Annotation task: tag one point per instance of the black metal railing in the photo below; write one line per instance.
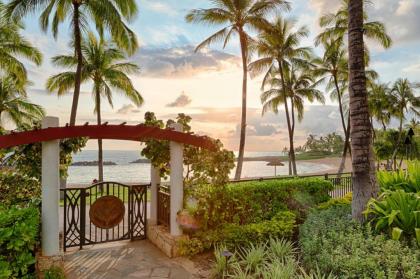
(163, 205)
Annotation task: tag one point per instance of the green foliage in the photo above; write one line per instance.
(251, 202)
(202, 166)
(332, 242)
(328, 145)
(344, 201)
(54, 273)
(16, 188)
(395, 212)
(275, 258)
(27, 158)
(18, 237)
(408, 181)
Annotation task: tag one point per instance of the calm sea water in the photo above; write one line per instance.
(131, 173)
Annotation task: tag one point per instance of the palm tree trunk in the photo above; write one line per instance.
(345, 150)
(293, 136)
(397, 146)
(100, 151)
(244, 54)
(364, 179)
(78, 52)
(289, 126)
(383, 124)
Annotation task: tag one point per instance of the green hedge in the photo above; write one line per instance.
(18, 237)
(252, 202)
(332, 242)
(16, 188)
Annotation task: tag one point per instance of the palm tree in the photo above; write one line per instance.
(381, 103)
(103, 66)
(300, 85)
(240, 16)
(404, 100)
(278, 50)
(14, 104)
(336, 26)
(364, 178)
(13, 46)
(104, 14)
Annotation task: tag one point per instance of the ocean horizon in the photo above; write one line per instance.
(126, 172)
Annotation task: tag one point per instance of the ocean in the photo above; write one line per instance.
(126, 172)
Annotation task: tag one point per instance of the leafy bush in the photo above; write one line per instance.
(16, 188)
(332, 242)
(54, 273)
(272, 259)
(18, 236)
(344, 201)
(408, 181)
(256, 201)
(396, 212)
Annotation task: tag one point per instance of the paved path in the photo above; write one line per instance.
(125, 259)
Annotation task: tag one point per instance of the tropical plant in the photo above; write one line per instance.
(240, 17)
(408, 181)
(13, 46)
(404, 100)
(381, 103)
(279, 53)
(397, 213)
(105, 68)
(105, 15)
(14, 103)
(364, 179)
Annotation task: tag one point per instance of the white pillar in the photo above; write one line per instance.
(50, 180)
(154, 184)
(177, 183)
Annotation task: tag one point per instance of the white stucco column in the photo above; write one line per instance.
(50, 181)
(154, 184)
(177, 184)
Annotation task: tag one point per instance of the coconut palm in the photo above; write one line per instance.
(239, 16)
(300, 85)
(381, 103)
(278, 48)
(14, 104)
(336, 26)
(106, 15)
(364, 178)
(13, 46)
(404, 100)
(105, 68)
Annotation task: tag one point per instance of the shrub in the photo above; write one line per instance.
(397, 213)
(252, 202)
(408, 181)
(54, 272)
(344, 201)
(330, 240)
(16, 188)
(18, 236)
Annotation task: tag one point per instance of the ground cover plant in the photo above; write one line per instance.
(332, 242)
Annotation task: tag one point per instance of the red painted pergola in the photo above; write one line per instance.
(139, 132)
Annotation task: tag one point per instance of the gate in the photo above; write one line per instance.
(104, 212)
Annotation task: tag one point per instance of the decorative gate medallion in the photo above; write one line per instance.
(104, 212)
(107, 212)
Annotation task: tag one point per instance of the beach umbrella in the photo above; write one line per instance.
(275, 163)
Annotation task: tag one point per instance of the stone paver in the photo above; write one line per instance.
(137, 259)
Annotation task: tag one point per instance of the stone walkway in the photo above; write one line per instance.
(138, 259)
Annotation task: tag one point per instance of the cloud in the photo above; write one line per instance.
(128, 108)
(181, 101)
(182, 62)
(159, 7)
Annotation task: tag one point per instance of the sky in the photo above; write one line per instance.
(207, 85)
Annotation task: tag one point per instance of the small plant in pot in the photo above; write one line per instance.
(188, 220)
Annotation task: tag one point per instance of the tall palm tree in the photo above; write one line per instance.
(336, 26)
(239, 16)
(14, 104)
(364, 178)
(13, 46)
(105, 68)
(300, 85)
(381, 103)
(404, 100)
(278, 48)
(105, 15)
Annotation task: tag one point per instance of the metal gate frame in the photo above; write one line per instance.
(79, 231)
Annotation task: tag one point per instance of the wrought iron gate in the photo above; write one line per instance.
(104, 212)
